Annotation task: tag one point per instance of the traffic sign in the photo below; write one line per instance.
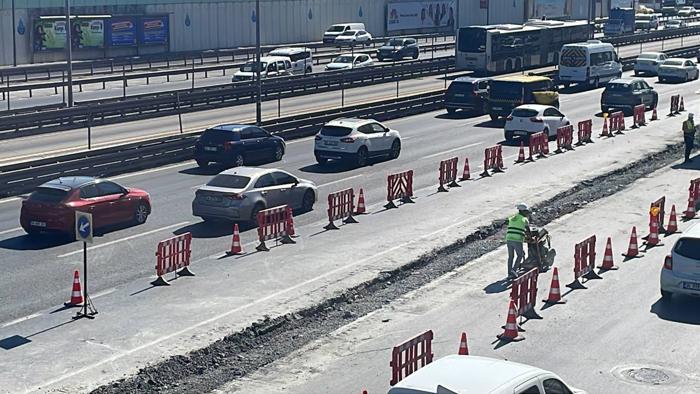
(83, 226)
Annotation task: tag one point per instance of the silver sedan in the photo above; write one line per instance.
(240, 193)
(678, 69)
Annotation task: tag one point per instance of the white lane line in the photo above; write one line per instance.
(10, 200)
(116, 241)
(340, 180)
(451, 150)
(12, 230)
(187, 163)
(198, 186)
(103, 293)
(20, 320)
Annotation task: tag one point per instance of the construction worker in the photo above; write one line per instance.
(689, 129)
(518, 226)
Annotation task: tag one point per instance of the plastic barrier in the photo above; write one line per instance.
(639, 117)
(173, 254)
(341, 205)
(565, 138)
(448, 174)
(693, 194)
(585, 132)
(584, 263)
(399, 186)
(539, 145)
(275, 223)
(658, 208)
(675, 105)
(405, 357)
(493, 160)
(617, 123)
(524, 293)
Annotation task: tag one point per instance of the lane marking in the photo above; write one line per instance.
(20, 320)
(340, 180)
(116, 241)
(198, 186)
(451, 150)
(10, 200)
(12, 230)
(144, 172)
(103, 293)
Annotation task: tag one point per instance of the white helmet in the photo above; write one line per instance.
(522, 207)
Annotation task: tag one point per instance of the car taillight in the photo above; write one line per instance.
(236, 196)
(655, 63)
(348, 140)
(318, 137)
(509, 118)
(536, 119)
(668, 262)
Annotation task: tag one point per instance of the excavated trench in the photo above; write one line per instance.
(265, 341)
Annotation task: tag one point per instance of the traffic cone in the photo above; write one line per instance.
(511, 334)
(361, 209)
(681, 107)
(554, 290)
(633, 248)
(654, 115)
(76, 296)
(621, 126)
(690, 212)
(290, 222)
(653, 238)
(466, 175)
(672, 226)
(463, 349)
(608, 263)
(521, 155)
(605, 132)
(236, 241)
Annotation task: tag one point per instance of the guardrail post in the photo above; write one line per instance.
(179, 112)
(193, 73)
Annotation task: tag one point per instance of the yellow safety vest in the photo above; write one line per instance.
(517, 224)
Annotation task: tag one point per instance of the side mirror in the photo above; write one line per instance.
(295, 183)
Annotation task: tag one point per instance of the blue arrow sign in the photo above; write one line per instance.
(83, 227)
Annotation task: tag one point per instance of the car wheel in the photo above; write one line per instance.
(321, 160)
(141, 214)
(395, 149)
(416, 55)
(279, 152)
(636, 73)
(361, 157)
(381, 59)
(308, 201)
(654, 103)
(202, 163)
(546, 132)
(451, 111)
(254, 214)
(510, 138)
(666, 295)
(238, 160)
(494, 117)
(309, 70)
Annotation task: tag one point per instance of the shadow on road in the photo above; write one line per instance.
(680, 309)
(36, 242)
(492, 124)
(693, 165)
(214, 229)
(499, 286)
(459, 115)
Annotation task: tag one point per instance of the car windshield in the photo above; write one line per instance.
(250, 67)
(336, 29)
(343, 59)
(618, 87)
(460, 86)
(688, 247)
(673, 63)
(217, 136)
(525, 112)
(335, 131)
(349, 33)
(229, 181)
(673, 23)
(647, 56)
(643, 17)
(395, 42)
(48, 195)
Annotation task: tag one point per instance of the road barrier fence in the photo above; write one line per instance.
(565, 138)
(585, 132)
(493, 160)
(275, 223)
(341, 205)
(448, 174)
(399, 187)
(639, 116)
(584, 263)
(410, 356)
(173, 255)
(524, 293)
(538, 145)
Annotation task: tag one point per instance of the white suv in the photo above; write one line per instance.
(681, 271)
(357, 140)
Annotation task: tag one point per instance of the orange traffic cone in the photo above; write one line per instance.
(672, 226)
(654, 115)
(236, 241)
(554, 290)
(466, 175)
(361, 204)
(521, 154)
(681, 107)
(76, 296)
(463, 349)
(633, 248)
(653, 237)
(608, 263)
(511, 333)
(690, 212)
(290, 222)
(605, 132)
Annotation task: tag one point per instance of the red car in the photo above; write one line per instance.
(51, 207)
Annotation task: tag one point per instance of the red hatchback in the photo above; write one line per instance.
(51, 207)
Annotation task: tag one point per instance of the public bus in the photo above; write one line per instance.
(508, 48)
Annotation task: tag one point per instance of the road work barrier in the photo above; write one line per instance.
(617, 123)
(410, 356)
(693, 194)
(539, 145)
(584, 263)
(639, 116)
(448, 174)
(173, 254)
(524, 293)
(675, 105)
(275, 223)
(493, 160)
(399, 187)
(341, 205)
(565, 138)
(585, 132)
(658, 208)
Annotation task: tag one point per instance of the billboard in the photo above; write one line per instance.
(49, 34)
(88, 33)
(413, 15)
(550, 8)
(122, 31)
(621, 4)
(154, 30)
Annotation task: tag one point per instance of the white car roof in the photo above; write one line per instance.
(251, 172)
(466, 374)
(349, 122)
(289, 51)
(270, 59)
(536, 107)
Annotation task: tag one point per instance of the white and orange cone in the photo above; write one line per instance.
(633, 248)
(690, 212)
(511, 334)
(290, 222)
(672, 226)
(654, 115)
(554, 290)
(76, 296)
(608, 262)
(236, 247)
(605, 132)
(521, 154)
(681, 107)
(466, 174)
(653, 238)
(463, 349)
(361, 208)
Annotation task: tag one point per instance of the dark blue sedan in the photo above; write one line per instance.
(235, 145)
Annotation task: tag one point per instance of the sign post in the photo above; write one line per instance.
(83, 232)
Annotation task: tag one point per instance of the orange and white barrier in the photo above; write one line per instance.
(275, 223)
(565, 138)
(173, 255)
(411, 355)
(341, 206)
(539, 145)
(584, 263)
(399, 186)
(493, 160)
(448, 174)
(585, 132)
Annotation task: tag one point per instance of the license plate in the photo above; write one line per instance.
(210, 148)
(523, 133)
(459, 95)
(37, 224)
(691, 286)
(331, 143)
(213, 198)
(498, 108)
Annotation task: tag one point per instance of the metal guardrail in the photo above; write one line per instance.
(22, 177)
(189, 100)
(659, 35)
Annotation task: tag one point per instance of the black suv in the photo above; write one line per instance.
(399, 48)
(236, 145)
(626, 93)
(468, 94)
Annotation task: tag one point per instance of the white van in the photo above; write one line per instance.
(338, 29)
(272, 66)
(473, 374)
(592, 63)
(301, 58)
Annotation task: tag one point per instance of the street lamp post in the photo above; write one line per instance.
(69, 54)
(258, 81)
(14, 37)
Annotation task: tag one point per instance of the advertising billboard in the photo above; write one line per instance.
(88, 33)
(413, 15)
(122, 31)
(550, 8)
(154, 30)
(48, 35)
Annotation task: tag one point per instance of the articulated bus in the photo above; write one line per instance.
(508, 48)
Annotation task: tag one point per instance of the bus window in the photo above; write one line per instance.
(472, 40)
